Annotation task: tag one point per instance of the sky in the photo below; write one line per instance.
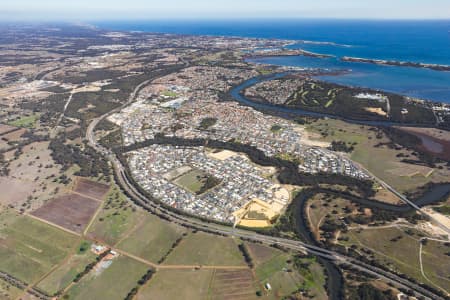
(81, 10)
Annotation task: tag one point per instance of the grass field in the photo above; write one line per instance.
(402, 254)
(113, 222)
(151, 239)
(8, 291)
(61, 277)
(284, 283)
(194, 181)
(113, 283)
(260, 253)
(177, 284)
(29, 248)
(381, 161)
(205, 249)
(26, 121)
(436, 263)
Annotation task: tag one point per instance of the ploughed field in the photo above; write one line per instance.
(70, 211)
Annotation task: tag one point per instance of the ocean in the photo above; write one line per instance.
(415, 41)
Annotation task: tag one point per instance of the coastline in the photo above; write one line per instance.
(435, 67)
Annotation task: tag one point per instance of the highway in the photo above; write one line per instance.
(124, 182)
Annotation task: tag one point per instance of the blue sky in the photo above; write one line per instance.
(213, 9)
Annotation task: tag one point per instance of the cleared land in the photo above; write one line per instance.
(91, 188)
(207, 250)
(29, 248)
(70, 211)
(190, 285)
(151, 239)
(32, 178)
(112, 283)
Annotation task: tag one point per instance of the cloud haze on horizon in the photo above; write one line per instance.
(210, 9)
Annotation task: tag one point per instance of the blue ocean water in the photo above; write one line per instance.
(416, 41)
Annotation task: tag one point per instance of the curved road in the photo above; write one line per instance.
(156, 208)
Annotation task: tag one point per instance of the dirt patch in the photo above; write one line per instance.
(70, 211)
(233, 284)
(91, 188)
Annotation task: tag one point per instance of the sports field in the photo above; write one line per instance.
(196, 181)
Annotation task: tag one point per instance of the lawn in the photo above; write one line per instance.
(26, 121)
(30, 248)
(113, 283)
(151, 239)
(177, 284)
(208, 250)
(61, 277)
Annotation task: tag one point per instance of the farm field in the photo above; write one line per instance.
(71, 211)
(191, 285)
(124, 271)
(62, 276)
(207, 250)
(29, 248)
(233, 284)
(91, 188)
(151, 238)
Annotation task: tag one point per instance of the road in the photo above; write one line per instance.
(140, 199)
